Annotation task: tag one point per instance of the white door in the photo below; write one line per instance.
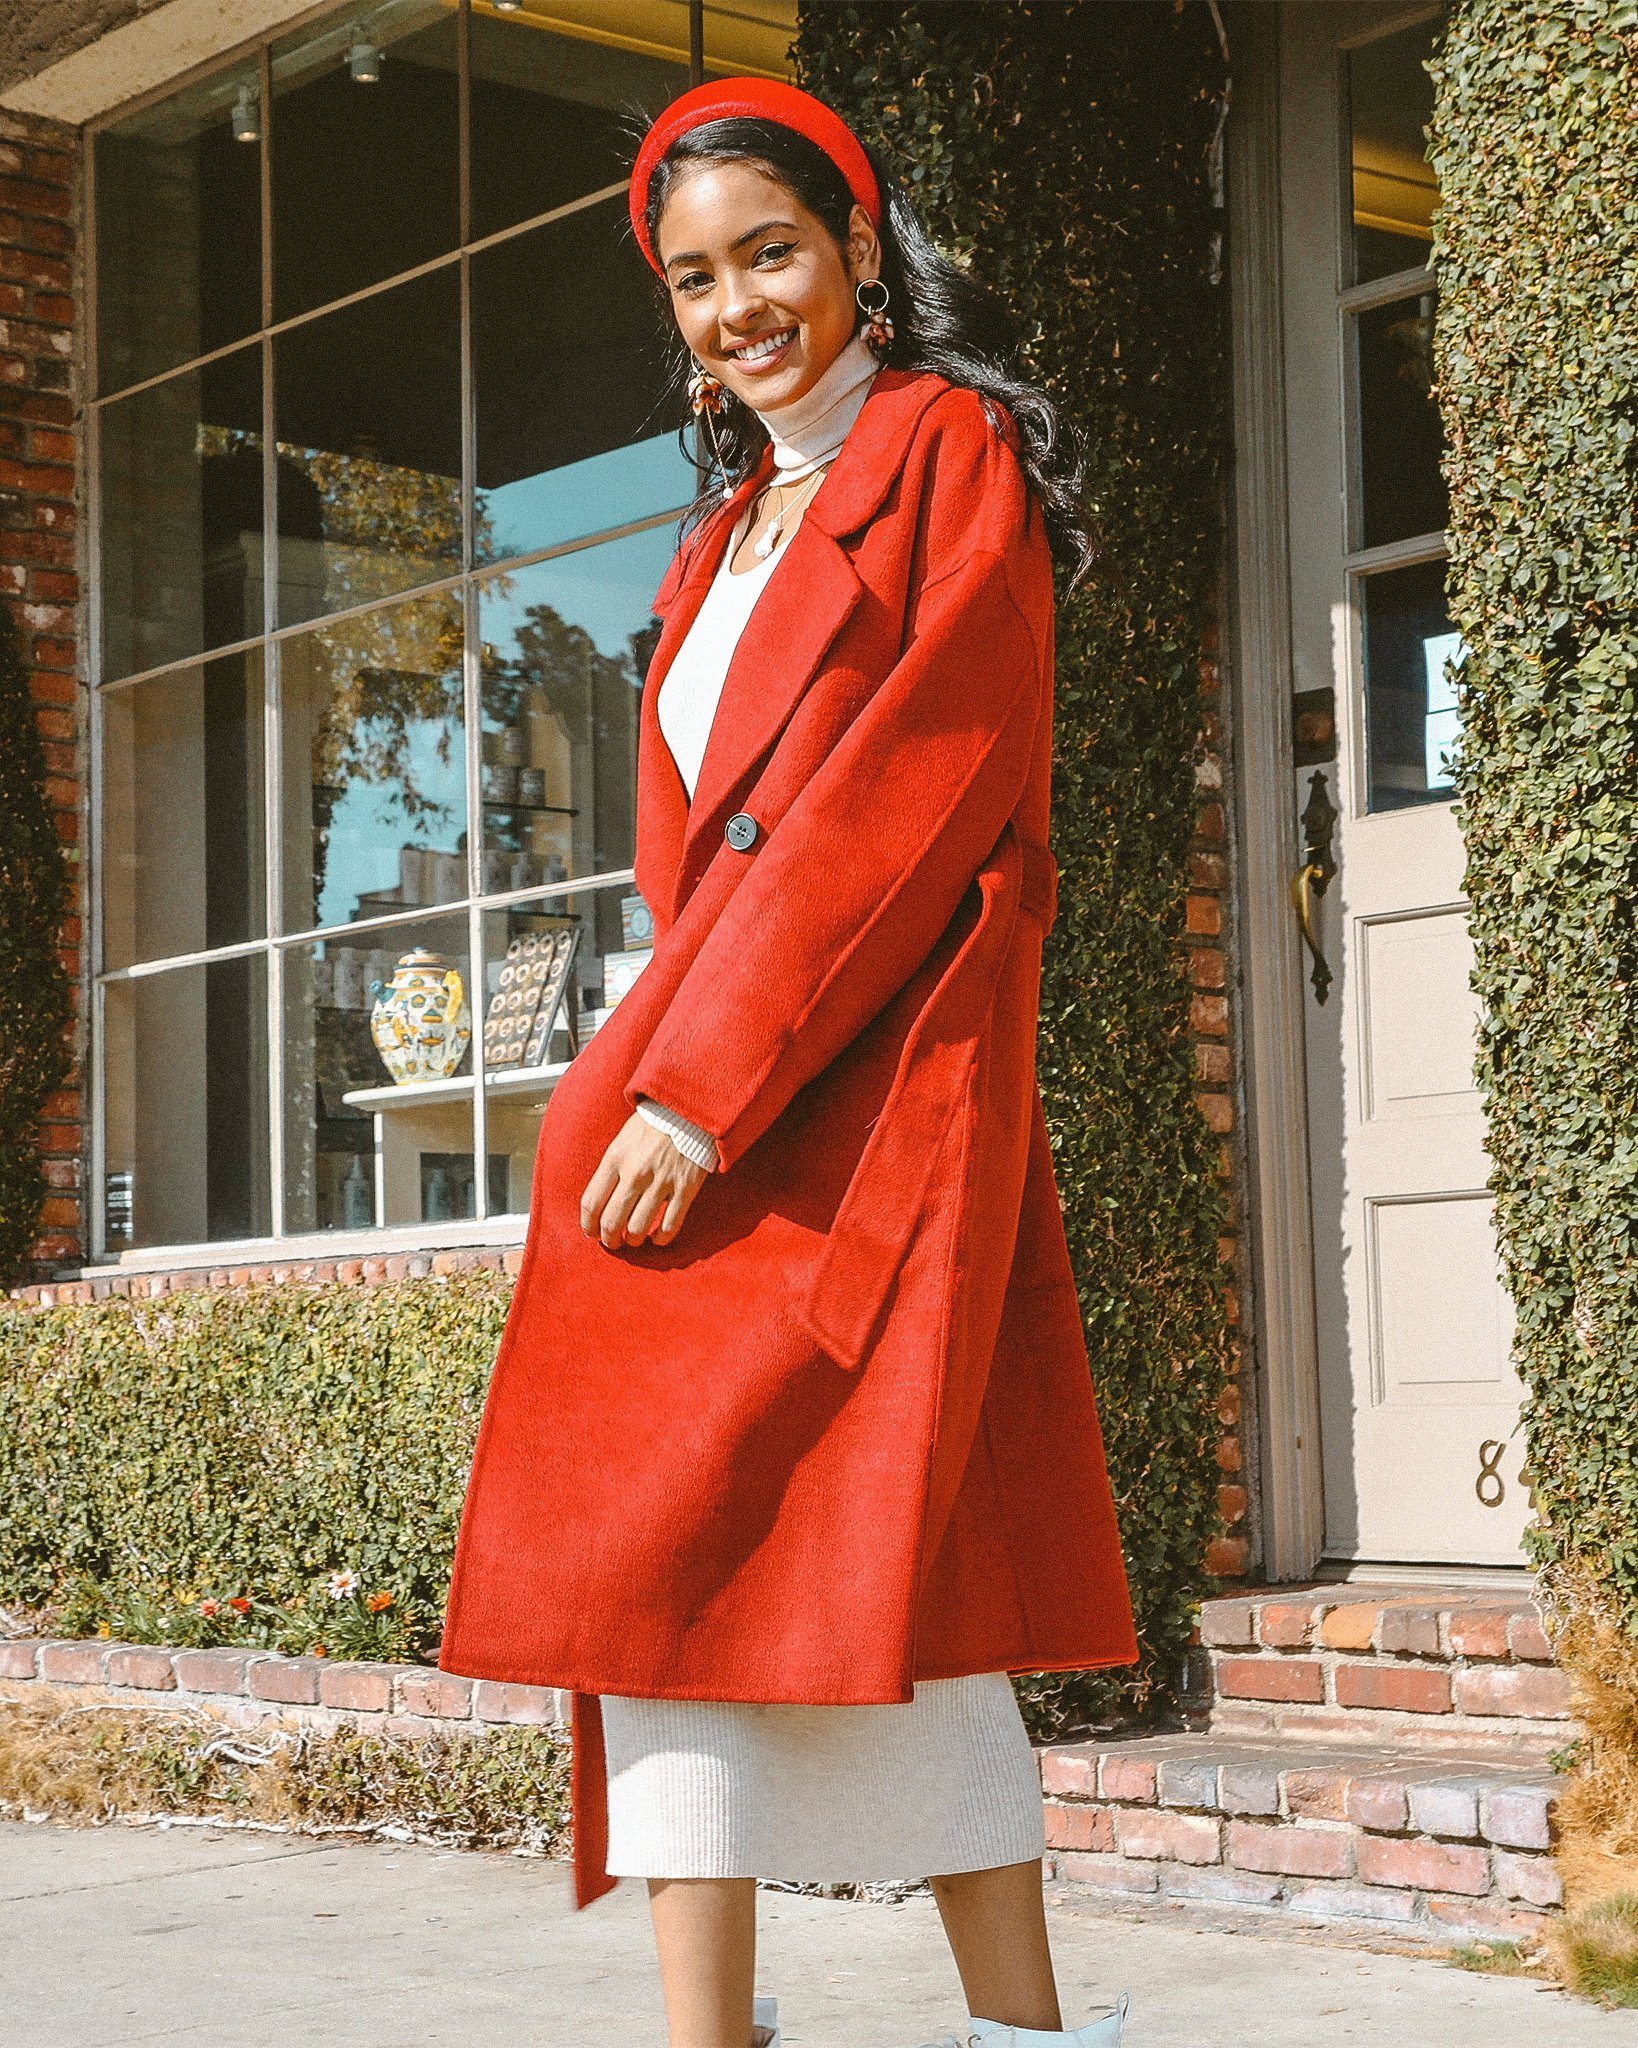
(1419, 1404)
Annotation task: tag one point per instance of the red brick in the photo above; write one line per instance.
(1108, 1873)
(1534, 1691)
(1232, 1501)
(293, 1681)
(360, 1688)
(73, 1663)
(1520, 1816)
(1228, 1623)
(1318, 1794)
(1411, 1865)
(1173, 1837)
(1296, 1679)
(1399, 1688)
(529, 1704)
(1207, 968)
(1479, 1631)
(19, 1657)
(1127, 1777)
(1351, 1625)
(1208, 1016)
(1203, 916)
(150, 1669)
(1410, 1632)
(1292, 1852)
(34, 199)
(1381, 1804)
(1228, 1557)
(1486, 1917)
(1534, 1880)
(1079, 1827)
(1527, 1639)
(1070, 1770)
(218, 1671)
(1286, 1624)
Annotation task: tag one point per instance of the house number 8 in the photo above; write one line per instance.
(1490, 1486)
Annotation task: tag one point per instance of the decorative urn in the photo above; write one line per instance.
(420, 1023)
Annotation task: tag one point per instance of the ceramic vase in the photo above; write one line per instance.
(420, 1023)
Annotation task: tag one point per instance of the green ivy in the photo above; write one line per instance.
(36, 1001)
(246, 1444)
(1063, 152)
(1535, 142)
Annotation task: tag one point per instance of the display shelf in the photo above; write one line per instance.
(420, 1094)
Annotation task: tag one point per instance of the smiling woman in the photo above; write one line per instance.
(796, 1334)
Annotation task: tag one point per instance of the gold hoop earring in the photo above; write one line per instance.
(878, 328)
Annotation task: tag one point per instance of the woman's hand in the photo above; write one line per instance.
(642, 1190)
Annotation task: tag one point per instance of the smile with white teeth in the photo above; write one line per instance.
(766, 347)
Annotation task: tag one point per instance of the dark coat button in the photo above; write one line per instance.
(741, 831)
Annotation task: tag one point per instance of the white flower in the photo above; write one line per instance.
(343, 1585)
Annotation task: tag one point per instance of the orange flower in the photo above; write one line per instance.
(208, 1607)
(378, 1603)
(318, 1650)
(241, 1605)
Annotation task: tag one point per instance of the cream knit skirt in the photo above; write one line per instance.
(823, 1795)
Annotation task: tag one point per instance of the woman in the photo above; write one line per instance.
(790, 1454)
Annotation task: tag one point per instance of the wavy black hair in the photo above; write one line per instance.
(944, 319)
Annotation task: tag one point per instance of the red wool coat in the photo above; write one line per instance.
(839, 1435)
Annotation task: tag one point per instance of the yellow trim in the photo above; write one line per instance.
(669, 52)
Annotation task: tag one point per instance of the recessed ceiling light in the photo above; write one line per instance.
(246, 119)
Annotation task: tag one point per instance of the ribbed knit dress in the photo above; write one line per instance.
(822, 1794)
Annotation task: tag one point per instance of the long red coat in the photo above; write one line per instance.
(840, 1434)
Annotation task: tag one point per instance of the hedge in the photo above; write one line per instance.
(1065, 153)
(1535, 141)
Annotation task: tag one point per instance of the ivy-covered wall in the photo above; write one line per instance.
(1065, 153)
(1536, 146)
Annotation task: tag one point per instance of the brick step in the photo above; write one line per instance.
(1443, 1847)
(1426, 1666)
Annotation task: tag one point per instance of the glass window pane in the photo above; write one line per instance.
(547, 964)
(564, 647)
(185, 1121)
(1390, 97)
(571, 440)
(182, 515)
(378, 1078)
(374, 765)
(183, 858)
(369, 403)
(1410, 703)
(1402, 492)
(179, 228)
(365, 134)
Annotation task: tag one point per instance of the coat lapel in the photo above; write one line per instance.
(811, 595)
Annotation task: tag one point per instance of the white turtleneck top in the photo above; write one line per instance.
(805, 434)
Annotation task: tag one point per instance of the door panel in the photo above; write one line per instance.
(1418, 1399)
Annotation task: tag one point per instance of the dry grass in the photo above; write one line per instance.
(72, 1759)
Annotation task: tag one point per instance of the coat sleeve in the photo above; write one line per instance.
(855, 884)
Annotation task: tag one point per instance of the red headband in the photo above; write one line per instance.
(756, 99)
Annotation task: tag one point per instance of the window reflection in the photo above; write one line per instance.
(181, 477)
(179, 228)
(1401, 437)
(564, 645)
(553, 973)
(182, 853)
(185, 1112)
(374, 764)
(366, 177)
(378, 1078)
(370, 471)
(1410, 699)
(571, 439)
(1390, 97)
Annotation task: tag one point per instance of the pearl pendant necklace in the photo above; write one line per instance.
(765, 543)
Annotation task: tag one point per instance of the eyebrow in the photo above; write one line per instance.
(739, 241)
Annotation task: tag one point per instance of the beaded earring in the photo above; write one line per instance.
(878, 328)
(706, 397)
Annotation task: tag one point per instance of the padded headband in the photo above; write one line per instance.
(756, 99)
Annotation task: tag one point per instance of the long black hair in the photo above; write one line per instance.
(944, 319)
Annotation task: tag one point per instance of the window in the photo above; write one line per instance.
(383, 485)
(1398, 512)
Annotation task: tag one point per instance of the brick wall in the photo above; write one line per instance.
(1211, 974)
(39, 575)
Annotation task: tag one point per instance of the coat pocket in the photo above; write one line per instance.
(883, 1203)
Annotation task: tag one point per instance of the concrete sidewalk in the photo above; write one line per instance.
(227, 1939)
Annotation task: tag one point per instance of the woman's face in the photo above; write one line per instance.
(760, 291)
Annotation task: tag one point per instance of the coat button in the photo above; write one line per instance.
(741, 831)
